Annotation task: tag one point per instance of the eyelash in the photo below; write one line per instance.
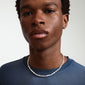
(47, 11)
(27, 13)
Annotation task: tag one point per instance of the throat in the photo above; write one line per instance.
(48, 59)
(46, 63)
(44, 75)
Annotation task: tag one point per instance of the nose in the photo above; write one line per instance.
(38, 18)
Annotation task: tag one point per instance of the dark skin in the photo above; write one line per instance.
(42, 24)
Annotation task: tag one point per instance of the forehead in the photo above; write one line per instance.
(39, 2)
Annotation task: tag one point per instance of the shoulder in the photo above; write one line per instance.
(12, 70)
(77, 65)
(12, 66)
(76, 68)
(72, 64)
(75, 71)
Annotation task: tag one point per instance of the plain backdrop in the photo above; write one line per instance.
(13, 45)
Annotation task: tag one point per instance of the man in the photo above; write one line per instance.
(42, 23)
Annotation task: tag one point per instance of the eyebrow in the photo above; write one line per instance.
(25, 7)
(45, 4)
(51, 3)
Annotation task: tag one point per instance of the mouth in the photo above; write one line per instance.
(38, 34)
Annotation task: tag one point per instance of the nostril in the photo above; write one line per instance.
(41, 22)
(33, 24)
(38, 23)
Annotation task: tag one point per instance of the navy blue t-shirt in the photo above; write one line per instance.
(17, 73)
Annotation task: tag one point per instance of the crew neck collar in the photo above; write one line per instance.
(47, 71)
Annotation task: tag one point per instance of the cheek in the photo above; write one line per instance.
(55, 21)
(55, 33)
(55, 28)
(25, 24)
(25, 29)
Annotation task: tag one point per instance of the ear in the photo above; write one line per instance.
(65, 20)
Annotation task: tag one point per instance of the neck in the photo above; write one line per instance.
(47, 59)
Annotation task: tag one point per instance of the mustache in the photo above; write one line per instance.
(38, 31)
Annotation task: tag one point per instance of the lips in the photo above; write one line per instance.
(38, 34)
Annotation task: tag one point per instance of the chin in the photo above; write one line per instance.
(38, 47)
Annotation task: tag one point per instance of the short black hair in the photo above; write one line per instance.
(65, 6)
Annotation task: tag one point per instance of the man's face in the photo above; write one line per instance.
(42, 22)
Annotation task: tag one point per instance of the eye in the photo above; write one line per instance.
(49, 11)
(27, 13)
